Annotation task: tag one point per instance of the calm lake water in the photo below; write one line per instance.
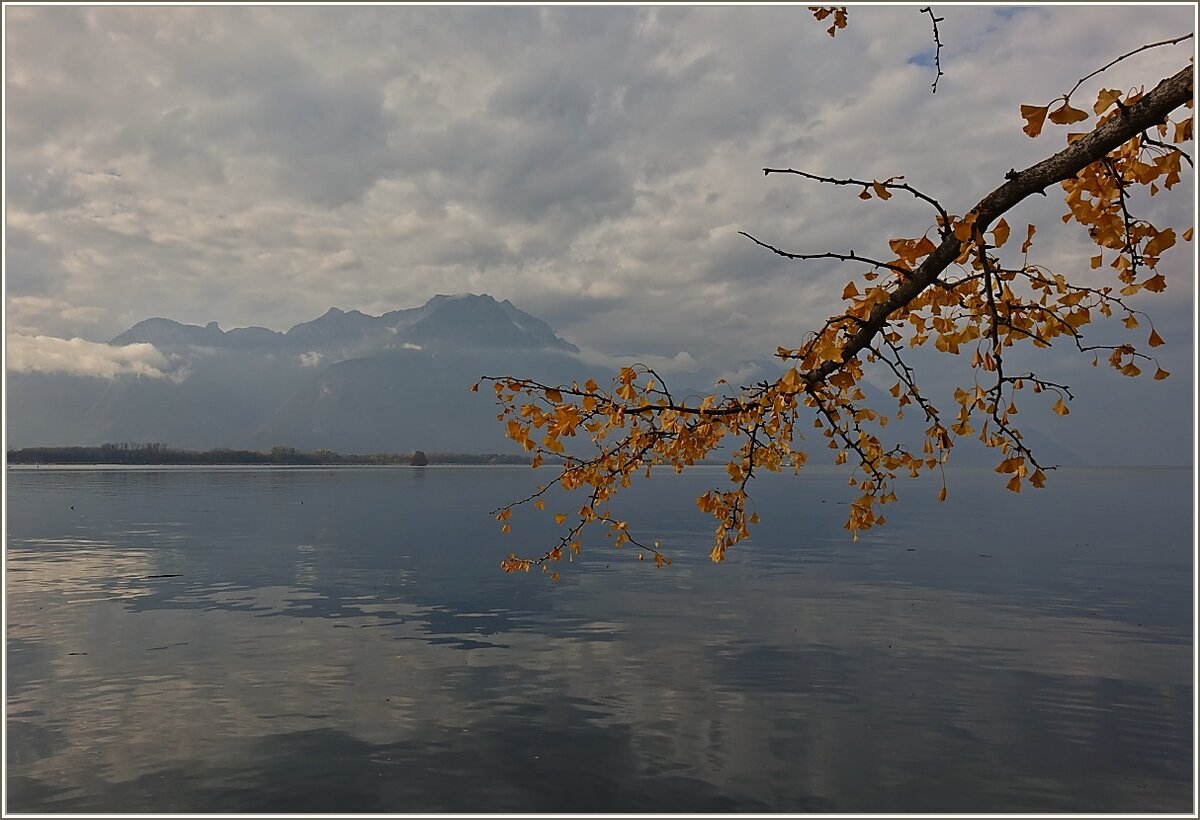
(310, 640)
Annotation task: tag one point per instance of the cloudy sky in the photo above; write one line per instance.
(593, 165)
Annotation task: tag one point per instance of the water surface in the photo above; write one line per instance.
(307, 640)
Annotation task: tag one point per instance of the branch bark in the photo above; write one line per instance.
(1146, 113)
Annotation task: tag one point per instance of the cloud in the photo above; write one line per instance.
(256, 165)
(681, 362)
(79, 357)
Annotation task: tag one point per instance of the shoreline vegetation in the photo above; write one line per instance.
(125, 453)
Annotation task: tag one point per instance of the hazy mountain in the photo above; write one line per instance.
(345, 380)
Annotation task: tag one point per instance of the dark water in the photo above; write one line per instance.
(342, 640)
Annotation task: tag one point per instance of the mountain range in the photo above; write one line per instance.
(347, 381)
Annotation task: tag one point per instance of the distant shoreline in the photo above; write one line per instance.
(150, 455)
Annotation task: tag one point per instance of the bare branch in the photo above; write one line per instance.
(937, 54)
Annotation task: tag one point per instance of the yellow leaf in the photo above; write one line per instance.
(1065, 115)
(1000, 233)
(1035, 118)
(942, 494)
(1029, 232)
(1155, 284)
(850, 291)
(1097, 260)
(475, 387)
(963, 230)
(539, 504)
(1155, 339)
(1014, 484)
(1061, 408)
(1104, 99)
(1038, 479)
(1010, 465)
(1131, 322)
(1165, 239)
(559, 518)
(1160, 374)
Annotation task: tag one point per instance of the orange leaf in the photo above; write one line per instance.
(1065, 115)
(1014, 484)
(1035, 118)
(1104, 99)
(1160, 374)
(1029, 232)
(1038, 479)
(1060, 407)
(1155, 339)
(1000, 233)
(1155, 284)
(880, 191)
(850, 291)
(1163, 240)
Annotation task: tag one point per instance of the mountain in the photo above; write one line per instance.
(346, 380)
(462, 321)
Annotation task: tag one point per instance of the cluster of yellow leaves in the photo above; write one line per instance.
(838, 13)
(984, 307)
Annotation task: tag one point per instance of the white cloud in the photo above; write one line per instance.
(681, 362)
(79, 357)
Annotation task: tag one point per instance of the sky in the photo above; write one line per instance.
(258, 165)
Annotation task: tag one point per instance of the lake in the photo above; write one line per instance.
(312, 640)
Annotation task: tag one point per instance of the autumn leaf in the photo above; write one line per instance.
(1160, 374)
(1155, 339)
(1000, 233)
(1061, 408)
(1164, 240)
(1104, 99)
(1065, 115)
(1028, 243)
(1155, 284)
(1035, 118)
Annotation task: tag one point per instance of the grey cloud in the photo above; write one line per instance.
(31, 267)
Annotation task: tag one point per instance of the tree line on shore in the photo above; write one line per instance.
(159, 453)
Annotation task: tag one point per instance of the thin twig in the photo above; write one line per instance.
(1126, 56)
(937, 54)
